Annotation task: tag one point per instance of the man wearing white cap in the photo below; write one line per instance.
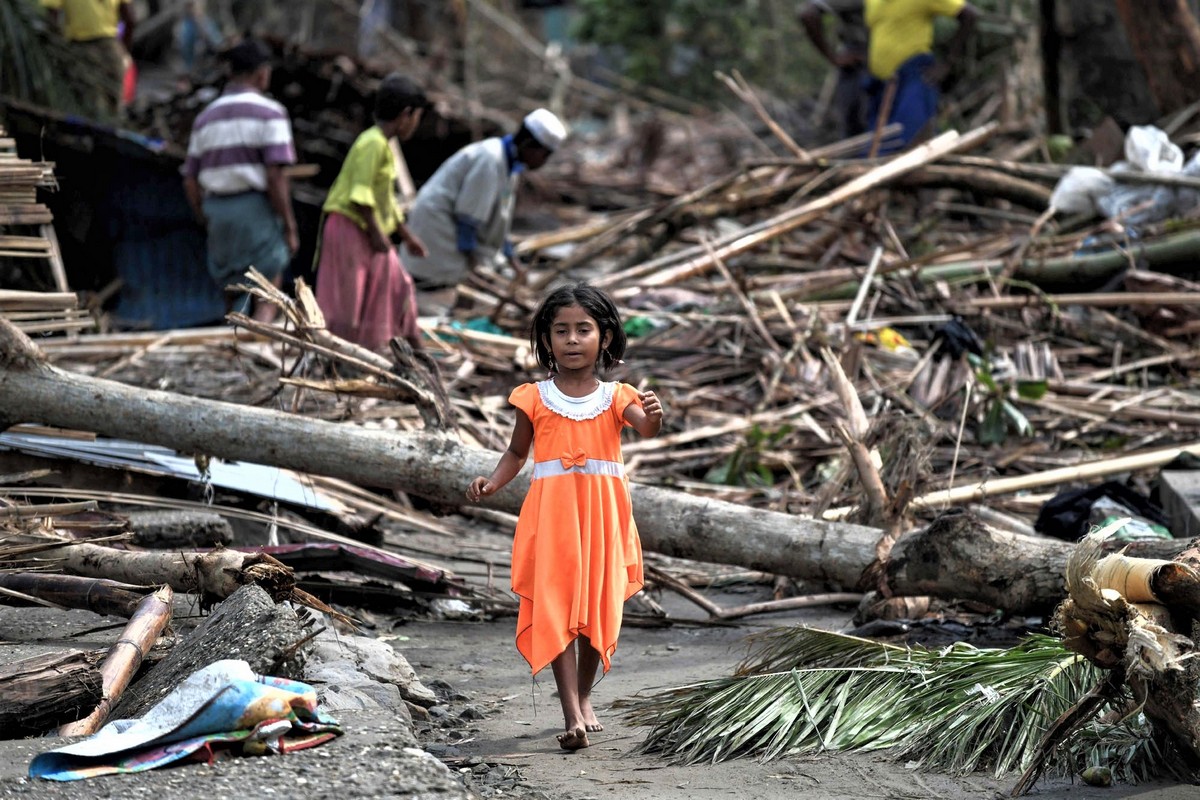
(464, 211)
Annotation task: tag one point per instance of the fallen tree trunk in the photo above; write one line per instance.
(957, 561)
(435, 467)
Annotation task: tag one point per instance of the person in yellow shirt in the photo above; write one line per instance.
(905, 76)
(364, 292)
(92, 27)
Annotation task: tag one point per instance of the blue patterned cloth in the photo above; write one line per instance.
(222, 707)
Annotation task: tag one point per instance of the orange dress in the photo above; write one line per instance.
(576, 553)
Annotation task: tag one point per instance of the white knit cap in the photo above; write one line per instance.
(546, 128)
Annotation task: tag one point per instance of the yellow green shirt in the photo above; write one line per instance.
(901, 29)
(84, 20)
(367, 178)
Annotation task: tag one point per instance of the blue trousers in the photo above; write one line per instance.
(914, 106)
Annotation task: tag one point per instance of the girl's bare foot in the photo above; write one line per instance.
(590, 723)
(573, 739)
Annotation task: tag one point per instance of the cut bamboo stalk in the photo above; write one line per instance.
(125, 657)
(48, 510)
(864, 287)
(1133, 366)
(105, 597)
(57, 268)
(1132, 578)
(751, 310)
(1110, 410)
(738, 85)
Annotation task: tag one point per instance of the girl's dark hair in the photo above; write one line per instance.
(396, 93)
(598, 305)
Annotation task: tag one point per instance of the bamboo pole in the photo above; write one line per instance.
(109, 598)
(738, 85)
(697, 260)
(1097, 300)
(974, 492)
(1166, 251)
(125, 657)
(48, 510)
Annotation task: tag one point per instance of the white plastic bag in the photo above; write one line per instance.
(1079, 189)
(1150, 149)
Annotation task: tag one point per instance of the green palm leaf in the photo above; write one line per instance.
(959, 709)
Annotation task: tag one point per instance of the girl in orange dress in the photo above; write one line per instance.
(576, 553)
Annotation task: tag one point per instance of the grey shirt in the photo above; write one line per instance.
(474, 183)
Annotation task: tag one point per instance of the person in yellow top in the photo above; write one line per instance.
(905, 76)
(364, 292)
(92, 27)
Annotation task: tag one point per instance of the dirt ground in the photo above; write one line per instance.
(494, 726)
(516, 735)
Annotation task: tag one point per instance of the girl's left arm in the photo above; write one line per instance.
(646, 418)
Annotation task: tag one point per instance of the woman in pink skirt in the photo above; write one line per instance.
(364, 292)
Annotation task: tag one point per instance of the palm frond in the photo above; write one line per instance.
(959, 709)
(37, 65)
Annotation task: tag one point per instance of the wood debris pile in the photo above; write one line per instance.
(834, 337)
(734, 289)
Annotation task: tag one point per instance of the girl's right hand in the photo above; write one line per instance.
(479, 488)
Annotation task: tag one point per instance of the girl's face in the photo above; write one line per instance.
(575, 340)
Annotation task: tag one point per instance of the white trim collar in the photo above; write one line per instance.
(579, 409)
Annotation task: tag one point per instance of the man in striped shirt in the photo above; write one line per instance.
(235, 180)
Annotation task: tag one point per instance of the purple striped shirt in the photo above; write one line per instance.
(235, 139)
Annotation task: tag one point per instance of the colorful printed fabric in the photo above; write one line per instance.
(222, 707)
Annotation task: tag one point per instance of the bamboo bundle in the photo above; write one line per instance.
(19, 181)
